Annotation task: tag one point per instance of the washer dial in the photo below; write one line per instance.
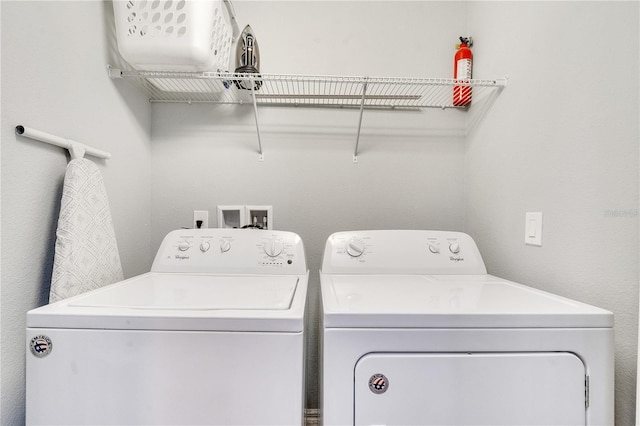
(273, 248)
(225, 246)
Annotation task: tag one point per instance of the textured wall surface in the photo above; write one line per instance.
(562, 139)
(54, 79)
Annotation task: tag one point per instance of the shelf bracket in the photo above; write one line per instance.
(364, 94)
(255, 113)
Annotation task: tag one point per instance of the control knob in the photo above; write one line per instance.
(225, 246)
(205, 246)
(273, 248)
(454, 248)
(354, 247)
(183, 245)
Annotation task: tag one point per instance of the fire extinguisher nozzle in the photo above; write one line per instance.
(466, 40)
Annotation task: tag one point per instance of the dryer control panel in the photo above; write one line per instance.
(402, 252)
(232, 251)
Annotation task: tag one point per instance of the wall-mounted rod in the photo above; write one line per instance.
(341, 97)
(77, 149)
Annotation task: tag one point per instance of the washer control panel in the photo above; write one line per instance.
(236, 251)
(402, 251)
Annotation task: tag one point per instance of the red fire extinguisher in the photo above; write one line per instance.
(462, 66)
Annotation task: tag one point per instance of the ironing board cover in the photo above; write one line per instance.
(86, 253)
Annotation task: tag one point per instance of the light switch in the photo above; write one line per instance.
(533, 228)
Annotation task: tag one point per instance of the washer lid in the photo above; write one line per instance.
(460, 301)
(166, 301)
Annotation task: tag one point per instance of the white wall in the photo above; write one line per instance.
(410, 169)
(54, 57)
(562, 139)
(571, 153)
(0, 222)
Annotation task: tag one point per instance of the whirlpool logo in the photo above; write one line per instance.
(378, 384)
(41, 346)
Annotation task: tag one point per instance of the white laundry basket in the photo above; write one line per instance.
(173, 35)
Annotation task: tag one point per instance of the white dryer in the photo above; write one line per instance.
(415, 332)
(212, 335)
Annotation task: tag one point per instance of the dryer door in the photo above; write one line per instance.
(470, 389)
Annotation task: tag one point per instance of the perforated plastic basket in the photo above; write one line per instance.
(167, 35)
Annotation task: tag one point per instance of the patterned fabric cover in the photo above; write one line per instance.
(86, 253)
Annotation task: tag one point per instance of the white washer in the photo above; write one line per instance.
(415, 332)
(212, 335)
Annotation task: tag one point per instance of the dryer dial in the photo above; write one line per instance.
(354, 247)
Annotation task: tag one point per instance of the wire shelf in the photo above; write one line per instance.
(303, 90)
(307, 90)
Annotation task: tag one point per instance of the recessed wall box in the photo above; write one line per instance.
(231, 216)
(259, 216)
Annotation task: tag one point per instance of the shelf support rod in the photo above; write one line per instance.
(255, 113)
(364, 94)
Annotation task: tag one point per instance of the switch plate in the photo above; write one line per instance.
(533, 228)
(202, 215)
